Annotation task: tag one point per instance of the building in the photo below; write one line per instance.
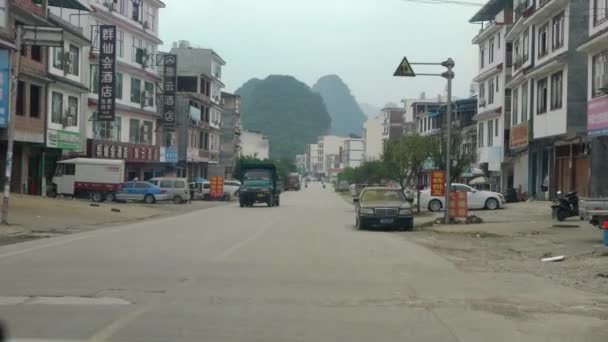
(353, 152)
(254, 144)
(494, 100)
(394, 120)
(231, 132)
(595, 48)
(330, 149)
(426, 117)
(199, 72)
(373, 134)
(313, 161)
(301, 163)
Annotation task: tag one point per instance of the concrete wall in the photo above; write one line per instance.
(520, 172)
(372, 136)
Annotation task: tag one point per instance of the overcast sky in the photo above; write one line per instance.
(360, 40)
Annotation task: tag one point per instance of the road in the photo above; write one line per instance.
(299, 272)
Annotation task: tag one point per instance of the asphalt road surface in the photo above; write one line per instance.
(299, 272)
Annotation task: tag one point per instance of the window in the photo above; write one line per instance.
(134, 133)
(482, 90)
(142, 185)
(150, 14)
(20, 98)
(526, 45)
(516, 55)
(166, 184)
(23, 51)
(514, 114)
(558, 31)
(146, 132)
(107, 130)
(58, 57)
(557, 90)
(56, 107)
(94, 86)
(541, 99)
(482, 54)
(136, 51)
(73, 63)
(136, 7)
(3, 15)
(35, 99)
(135, 90)
(491, 133)
(498, 40)
(187, 83)
(206, 142)
(599, 72)
(72, 118)
(480, 134)
(496, 127)
(497, 82)
(118, 85)
(149, 88)
(600, 11)
(36, 53)
(491, 51)
(491, 91)
(69, 169)
(543, 47)
(524, 102)
(120, 43)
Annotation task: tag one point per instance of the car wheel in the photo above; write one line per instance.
(435, 205)
(491, 204)
(278, 202)
(97, 197)
(112, 197)
(359, 224)
(149, 199)
(177, 200)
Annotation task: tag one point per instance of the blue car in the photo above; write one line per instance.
(141, 191)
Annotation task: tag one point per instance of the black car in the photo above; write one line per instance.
(383, 207)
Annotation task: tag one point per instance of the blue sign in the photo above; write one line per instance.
(168, 154)
(5, 70)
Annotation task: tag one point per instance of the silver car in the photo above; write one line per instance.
(178, 189)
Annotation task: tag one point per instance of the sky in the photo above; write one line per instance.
(362, 41)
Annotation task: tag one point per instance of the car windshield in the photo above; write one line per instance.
(382, 196)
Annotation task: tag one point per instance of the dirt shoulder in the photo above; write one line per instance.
(517, 238)
(32, 217)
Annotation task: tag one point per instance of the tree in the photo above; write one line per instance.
(461, 157)
(404, 158)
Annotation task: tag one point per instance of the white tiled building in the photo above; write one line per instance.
(373, 130)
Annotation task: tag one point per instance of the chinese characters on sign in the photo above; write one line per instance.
(169, 82)
(438, 183)
(217, 186)
(458, 204)
(127, 152)
(107, 67)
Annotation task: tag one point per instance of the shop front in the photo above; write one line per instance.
(59, 143)
(141, 161)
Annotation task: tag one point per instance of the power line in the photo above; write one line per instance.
(447, 2)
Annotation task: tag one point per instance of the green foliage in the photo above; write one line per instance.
(461, 160)
(404, 158)
(286, 110)
(369, 172)
(346, 115)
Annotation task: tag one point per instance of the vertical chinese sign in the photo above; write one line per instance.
(106, 104)
(4, 87)
(458, 204)
(169, 81)
(438, 183)
(217, 186)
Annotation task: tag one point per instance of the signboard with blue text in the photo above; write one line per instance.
(5, 70)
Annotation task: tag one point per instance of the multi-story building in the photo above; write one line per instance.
(353, 152)
(596, 50)
(329, 145)
(426, 116)
(494, 100)
(199, 73)
(312, 159)
(373, 137)
(231, 131)
(301, 163)
(394, 120)
(255, 144)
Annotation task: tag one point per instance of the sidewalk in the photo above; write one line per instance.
(32, 217)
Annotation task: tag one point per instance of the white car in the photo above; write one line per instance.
(476, 199)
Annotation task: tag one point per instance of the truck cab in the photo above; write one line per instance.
(259, 184)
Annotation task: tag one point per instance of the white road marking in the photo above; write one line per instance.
(111, 329)
(47, 245)
(240, 244)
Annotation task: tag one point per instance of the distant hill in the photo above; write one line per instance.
(369, 110)
(346, 116)
(286, 110)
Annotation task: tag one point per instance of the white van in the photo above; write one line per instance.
(99, 178)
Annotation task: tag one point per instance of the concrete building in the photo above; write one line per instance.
(231, 132)
(394, 121)
(426, 116)
(373, 134)
(313, 160)
(494, 99)
(254, 144)
(354, 150)
(301, 163)
(329, 145)
(199, 72)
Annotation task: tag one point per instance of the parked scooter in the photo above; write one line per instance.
(565, 206)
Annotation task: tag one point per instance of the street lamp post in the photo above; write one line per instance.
(405, 70)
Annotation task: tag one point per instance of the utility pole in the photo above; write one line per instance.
(13, 84)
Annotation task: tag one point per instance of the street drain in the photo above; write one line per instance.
(64, 300)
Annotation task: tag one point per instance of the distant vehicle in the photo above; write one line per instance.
(141, 191)
(342, 186)
(200, 190)
(231, 187)
(293, 182)
(178, 189)
(98, 178)
(383, 207)
(476, 199)
(260, 184)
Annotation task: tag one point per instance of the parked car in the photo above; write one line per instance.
(178, 189)
(231, 187)
(383, 207)
(200, 190)
(476, 199)
(141, 191)
(342, 186)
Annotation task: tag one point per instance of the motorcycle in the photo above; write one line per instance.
(323, 185)
(565, 206)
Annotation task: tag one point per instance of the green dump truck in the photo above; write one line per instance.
(259, 184)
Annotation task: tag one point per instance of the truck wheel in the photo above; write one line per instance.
(278, 202)
(111, 197)
(52, 194)
(270, 201)
(97, 197)
(149, 199)
(241, 204)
